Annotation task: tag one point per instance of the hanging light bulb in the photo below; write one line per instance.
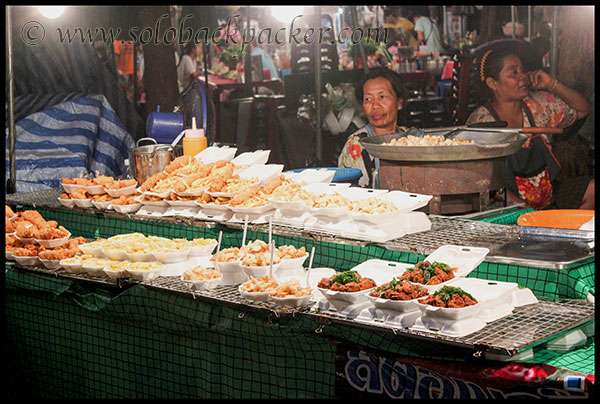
(51, 12)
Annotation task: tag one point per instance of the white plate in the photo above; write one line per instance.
(75, 267)
(144, 275)
(401, 306)
(329, 212)
(256, 296)
(202, 250)
(172, 256)
(116, 274)
(93, 248)
(26, 260)
(83, 203)
(25, 240)
(9, 255)
(67, 203)
(50, 264)
(69, 188)
(252, 211)
(228, 267)
(102, 205)
(212, 207)
(451, 314)
(287, 206)
(207, 284)
(113, 253)
(152, 203)
(183, 204)
(349, 297)
(291, 302)
(286, 263)
(131, 208)
(94, 189)
(252, 158)
(94, 269)
(56, 242)
(115, 193)
(258, 271)
(140, 257)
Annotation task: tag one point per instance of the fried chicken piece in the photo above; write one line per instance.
(10, 228)
(9, 212)
(27, 232)
(273, 185)
(152, 181)
(51, 232)
(243, 196)
(64, 196)
(79, 194)
(179, 162)
(103, 180)
(121, 184)
(25, 252)
(56, 254)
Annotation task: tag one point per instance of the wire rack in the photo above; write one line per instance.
(443, 231)
(525, 327)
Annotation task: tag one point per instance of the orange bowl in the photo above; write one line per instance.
(557, 218)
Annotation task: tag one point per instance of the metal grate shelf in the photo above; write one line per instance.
(525, 327)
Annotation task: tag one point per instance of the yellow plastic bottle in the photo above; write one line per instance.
(194, 140)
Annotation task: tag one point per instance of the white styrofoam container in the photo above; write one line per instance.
(311, 175)
(215, 153)
(252, 158)
(325, 188)
(264, 172)
(397, 226)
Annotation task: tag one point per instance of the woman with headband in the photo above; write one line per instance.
(527, 99)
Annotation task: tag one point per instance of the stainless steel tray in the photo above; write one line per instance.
(488, 144)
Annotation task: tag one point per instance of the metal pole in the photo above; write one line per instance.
(554, 43)
(318, 86)
(361, 48)
(528, 23)
(11, 184)
(512, 18)
(445, 22)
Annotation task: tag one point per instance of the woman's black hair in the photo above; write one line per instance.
(189, 47)
(388, 74)
(489, 64)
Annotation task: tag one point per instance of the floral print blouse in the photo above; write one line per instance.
(351, 156)
(547, 109)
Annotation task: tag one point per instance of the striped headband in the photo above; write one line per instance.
(483, 58)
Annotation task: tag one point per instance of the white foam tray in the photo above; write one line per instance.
(264, 172)
(311, 175)
(252, 158)
(214, 153)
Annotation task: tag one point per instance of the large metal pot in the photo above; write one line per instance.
(407, 66)
(435, 66)
(148, 160)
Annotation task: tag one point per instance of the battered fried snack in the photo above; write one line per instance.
(9, 212)
(103, 180)
(102, 198)
(243, 196)
(290, 252)
(450, 297)
(51, 232)
(273, 185)
(179, 162)
(152, 181)
(10, 228)
(258, 285)
(291, 288)
(65, 196)
(80, 194)
(26, 232)
(347, 281)
(201, 274)
(121, 184)
(56, 254)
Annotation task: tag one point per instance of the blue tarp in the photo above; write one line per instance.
(70, 139)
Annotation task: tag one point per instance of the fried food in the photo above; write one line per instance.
(9, 212)
(126, 200)
(372, 206)
(243, 196)
(450, 297)
(102, 198)
(259, 285)
(179, 162)
(10, 228)
(152, 181)
(227, 255)
(334, 200)
(26, 232)
(121, 184)
(347, 281)
(291, 288)
(427, 140)
(398, 289)
(290, 252)
(427, 273)
(201, 274)
(51, 232)
(80, 194)
(103, 180)
(56, 254)
(65, 196)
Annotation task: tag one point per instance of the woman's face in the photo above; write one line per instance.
(512, 81)
(381, 104)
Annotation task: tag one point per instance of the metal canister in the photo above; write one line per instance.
(148, 160)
